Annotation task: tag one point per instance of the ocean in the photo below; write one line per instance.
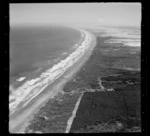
(36, 48)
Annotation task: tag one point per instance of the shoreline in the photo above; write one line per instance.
(68, 74)
(32, 87)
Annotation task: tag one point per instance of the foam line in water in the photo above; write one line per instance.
(21, 79)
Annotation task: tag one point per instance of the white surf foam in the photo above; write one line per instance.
(21, 79)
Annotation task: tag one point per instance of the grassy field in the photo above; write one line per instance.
(109, 111)
(102, 111)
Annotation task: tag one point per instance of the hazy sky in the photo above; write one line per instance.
(76, 14)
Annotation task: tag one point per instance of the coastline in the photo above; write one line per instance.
(31, 88)
(57, 87)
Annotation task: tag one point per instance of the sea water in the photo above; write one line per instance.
(35, 48)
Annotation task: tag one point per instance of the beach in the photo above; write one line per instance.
(28, 101)
(100, 92)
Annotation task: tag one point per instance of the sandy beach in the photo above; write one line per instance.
(20, 118)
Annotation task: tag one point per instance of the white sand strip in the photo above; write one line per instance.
(129, 37)
(70, 120)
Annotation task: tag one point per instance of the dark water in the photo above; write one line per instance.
(30, 45)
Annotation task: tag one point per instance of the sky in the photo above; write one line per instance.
(76, 14)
